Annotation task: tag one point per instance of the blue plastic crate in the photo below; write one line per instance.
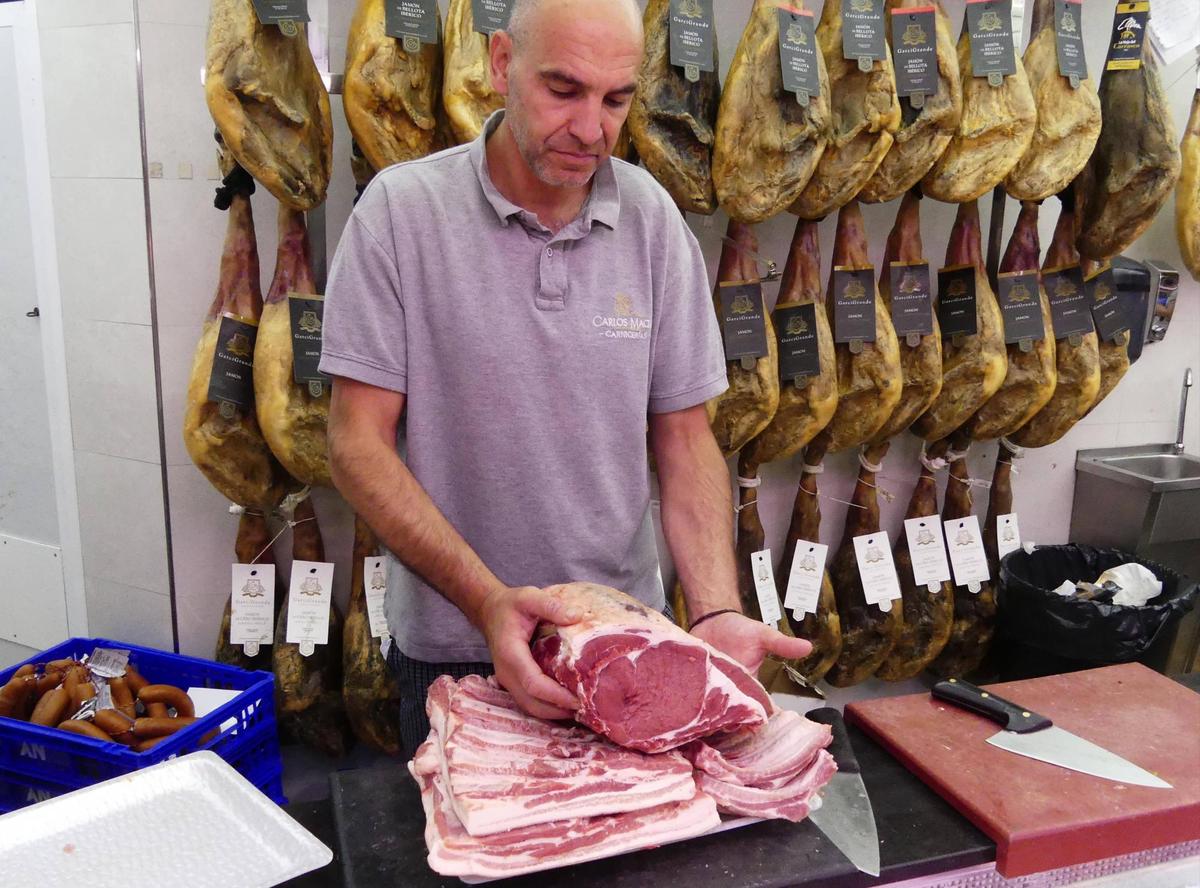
(48, 759)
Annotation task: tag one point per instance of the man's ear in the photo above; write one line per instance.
(500, 56)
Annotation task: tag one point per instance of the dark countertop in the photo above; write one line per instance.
(375, 824)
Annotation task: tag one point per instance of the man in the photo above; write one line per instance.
(530, 302)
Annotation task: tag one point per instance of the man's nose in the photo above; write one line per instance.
(587, 122)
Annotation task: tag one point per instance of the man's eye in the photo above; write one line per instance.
(565, 94)
(617, 102)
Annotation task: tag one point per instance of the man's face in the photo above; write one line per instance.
(568, 85)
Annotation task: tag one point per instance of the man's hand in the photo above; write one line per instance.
(749, 641)
(508, 618)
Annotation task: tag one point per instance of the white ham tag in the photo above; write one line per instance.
(804, 578)
(764, 585)
(252, 608)
(878, 572)
(927, 550)
(966, 553)
(1008, 534)
(375, 587)
(309, 599)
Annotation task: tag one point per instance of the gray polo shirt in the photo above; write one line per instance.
(530, 361)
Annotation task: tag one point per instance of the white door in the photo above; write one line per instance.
(34, 418)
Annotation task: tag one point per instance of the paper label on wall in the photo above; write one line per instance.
(693, 35)
(232, 379)
(1008, 534)
(989, 24)
(1110, 307)
(273, 12)
(108, 662)
(489, 16)
(764, 586)
(1068, 37)
(912, 298)
(743, 320)
(1069, 309)
(411, 18)
(307, 316)
(1020, 306)
(880, 584)
(927, 551)
(252, 607)
(863, 35)
(796, 334)
(798, 52)
(914, 50)
(1175, 29)
(1128, 34)
(957, 313)
(853, 303)
(805, 578)
(375, 587)
(967, 555)
(309, 598)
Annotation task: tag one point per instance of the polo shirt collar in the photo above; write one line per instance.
(603, 203)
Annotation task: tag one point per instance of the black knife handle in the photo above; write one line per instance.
(1012, 717)
(840, 748)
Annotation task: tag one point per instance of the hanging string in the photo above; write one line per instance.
(772, 274)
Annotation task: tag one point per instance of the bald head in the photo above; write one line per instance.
(527, 15)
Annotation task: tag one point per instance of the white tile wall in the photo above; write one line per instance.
(173, 12)
(114, 405)
(101, 233)
(76, 13)
(182, 130)
(90, 88)
(12, 653)
(121, 520)
(129, 613)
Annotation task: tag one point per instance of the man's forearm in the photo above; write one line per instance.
(377, 484)
(697, 518)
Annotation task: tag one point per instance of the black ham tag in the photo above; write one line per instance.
(798, 53)
(956, 301)
(989, 24)
(411, 19)
(1128, 33)
(1068, 38)
(863, 34)
(796, 333)
(1021, 306)
(693, 37)
(853, 304)
(489, 16)
(1110, 307)
(743, 320)
(914, 51)
(284, 13)
(232, 379)
(308, 314)
(912, 299)
(1069, 308)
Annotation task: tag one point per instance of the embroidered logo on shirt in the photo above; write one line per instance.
(625, 322)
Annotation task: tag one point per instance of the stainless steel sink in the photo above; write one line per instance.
(1160, 467)
(1155, 467)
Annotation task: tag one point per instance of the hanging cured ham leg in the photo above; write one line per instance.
(767, 143)
(868, 632)
(467, 92)
(870, 380)
(1113, 352)
(1031, 375)
(1187, 193)
(973, 365)
(974, 612)
(926, 131)
(1077, 363)
(1068, 119)
(921, 365)
(267, 98)
(391, 97)
(253, 546)
(672, 121)
(928, 614)
(744, 409)
(292, 419)
(227, 444)
(823, 628)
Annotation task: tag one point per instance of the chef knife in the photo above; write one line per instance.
(1035, 736)
(845, 815)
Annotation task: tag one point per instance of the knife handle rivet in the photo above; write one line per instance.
(985, 695)
(1026, 714)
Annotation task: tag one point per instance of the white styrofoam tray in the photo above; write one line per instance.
(190, 822)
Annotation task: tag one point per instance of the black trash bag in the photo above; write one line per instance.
(1030, 613)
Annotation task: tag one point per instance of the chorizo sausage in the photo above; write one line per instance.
(169, 694)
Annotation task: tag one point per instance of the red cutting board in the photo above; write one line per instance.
(1042, 816)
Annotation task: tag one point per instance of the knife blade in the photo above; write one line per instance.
(1035, 736)
(845, 815)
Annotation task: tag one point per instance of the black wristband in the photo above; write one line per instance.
(716, 613)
